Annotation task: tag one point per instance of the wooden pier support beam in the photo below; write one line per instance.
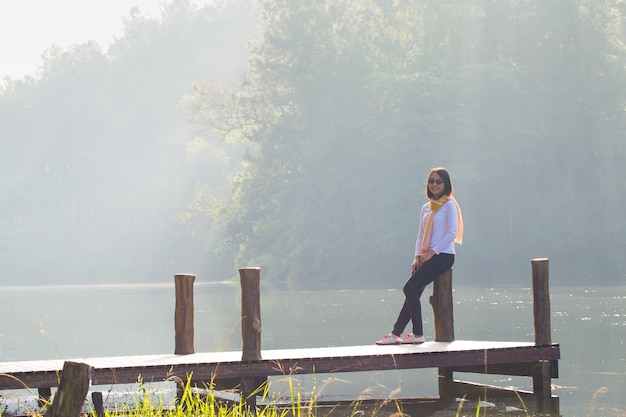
(70, 397)
(183, 314)
(250, 328)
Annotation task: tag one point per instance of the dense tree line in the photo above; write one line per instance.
(340, 107)
(349, 104)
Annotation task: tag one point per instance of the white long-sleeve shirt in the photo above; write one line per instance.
(445, 226)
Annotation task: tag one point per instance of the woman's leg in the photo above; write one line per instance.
(403, 319)
(414, 288)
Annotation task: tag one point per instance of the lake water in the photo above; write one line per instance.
(70, 322)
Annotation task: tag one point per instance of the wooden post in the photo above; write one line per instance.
(542, 370)
(250, 313)
(445, 382)
(250, 327)
(98, 403)
(441, 300)
(183, 315)
(70, 397)
(45, 394)
(541, 302)
(542, 387)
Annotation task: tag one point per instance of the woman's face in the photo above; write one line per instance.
(436, 185)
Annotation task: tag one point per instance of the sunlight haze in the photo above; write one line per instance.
(29, 27)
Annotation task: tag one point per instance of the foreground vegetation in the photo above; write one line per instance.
(207, 403)
(194, 402)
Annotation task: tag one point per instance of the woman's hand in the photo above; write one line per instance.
(425, 257)
(415, 264)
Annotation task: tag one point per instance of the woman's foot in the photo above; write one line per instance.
(389, 339)
(411, 339)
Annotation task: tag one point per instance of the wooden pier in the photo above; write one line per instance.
(248, 368)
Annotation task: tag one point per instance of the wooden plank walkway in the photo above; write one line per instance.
(219, 365)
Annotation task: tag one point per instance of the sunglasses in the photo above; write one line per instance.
(438, 182)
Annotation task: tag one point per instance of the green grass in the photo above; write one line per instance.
(203, 401)
(206, 402)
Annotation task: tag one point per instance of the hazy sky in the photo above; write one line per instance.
(29, 27)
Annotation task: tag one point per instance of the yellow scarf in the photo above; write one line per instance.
(434, 206)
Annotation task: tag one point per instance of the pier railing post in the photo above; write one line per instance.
(250, 327)
(183, 315)
(442, 303)
(541, 302)
(441, 300)
(542, 371)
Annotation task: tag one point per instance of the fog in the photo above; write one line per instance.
(298, 139)
(99, 160)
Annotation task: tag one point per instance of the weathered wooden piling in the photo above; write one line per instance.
(442, 303)
(543, 371)
(541, 302)
(70, 397)
(44, 394)
(98, 403)
(183, 314)
(250, 313)
(250, 328)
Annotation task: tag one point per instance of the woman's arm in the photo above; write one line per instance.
(420, 233)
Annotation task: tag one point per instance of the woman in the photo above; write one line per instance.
(441, 226)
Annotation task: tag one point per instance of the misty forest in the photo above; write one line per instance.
(298, 136)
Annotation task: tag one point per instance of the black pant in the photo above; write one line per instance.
(413, 289)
